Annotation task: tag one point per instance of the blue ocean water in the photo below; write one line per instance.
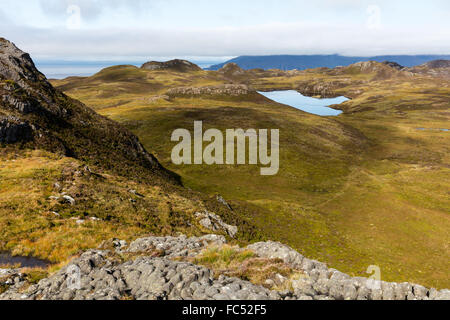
(60, 69)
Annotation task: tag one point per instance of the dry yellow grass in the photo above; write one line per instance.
(244, 264)
(34, 224)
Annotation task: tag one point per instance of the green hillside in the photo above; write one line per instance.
(360, 189)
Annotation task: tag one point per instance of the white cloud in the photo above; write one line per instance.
(93, 9)
(119, 28)
(266, 39)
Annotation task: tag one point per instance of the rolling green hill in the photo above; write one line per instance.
(71, 178)
(365, 188)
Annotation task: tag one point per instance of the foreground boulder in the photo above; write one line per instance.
(157, 270)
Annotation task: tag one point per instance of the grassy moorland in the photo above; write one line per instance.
(365, 188)
(106, 206)
(71, 178)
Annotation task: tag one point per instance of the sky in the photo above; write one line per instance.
(211, 29)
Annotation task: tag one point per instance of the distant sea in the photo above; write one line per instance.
(63, 69)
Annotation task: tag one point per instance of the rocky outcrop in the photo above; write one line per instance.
(438, 64)
(22, 105)
(377, 70)
(32, 110)
(214, 223)
(227, 89)
(174, 65)
(17, 65)
(231, 70)
(13, 130)
(324, 89)
(10, 278)
(336, 285)
(436, 68)
(158, 272)
(96, 276)
(394, 65)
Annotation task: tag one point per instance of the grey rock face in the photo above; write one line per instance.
(96, 275)
(145, 278)
(176, 246)
(22, 105)
(15, 63)
(443, 295)
(13, 130)
(276, 250)
(12, 278)
(26, 87)
(322, 282)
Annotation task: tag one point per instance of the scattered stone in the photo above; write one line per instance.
(68, 199)
(223, 201)
(119, 245)
(213, 222)
(136, 193)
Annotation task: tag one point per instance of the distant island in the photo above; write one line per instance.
(303, 62)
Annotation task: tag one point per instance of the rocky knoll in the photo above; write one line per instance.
(343, 78)
(226, 89)
(325, 89)
(436, 68)
(174, 65)
(394, 65)
(157, 269)
(376, 70)
(231, 70)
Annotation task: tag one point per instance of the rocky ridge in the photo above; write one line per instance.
(436, 68)
(227, 89)
(174, 65)
(158, 271)
(35, 114)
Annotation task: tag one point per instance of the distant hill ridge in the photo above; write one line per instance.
(302, 62)
(174, 65)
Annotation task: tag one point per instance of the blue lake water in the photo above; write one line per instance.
(312, 105)
(429, 129)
